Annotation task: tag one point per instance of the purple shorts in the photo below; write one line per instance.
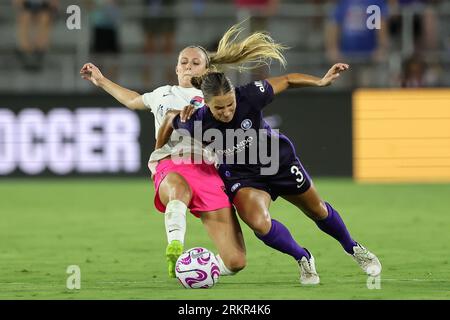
(289, 180)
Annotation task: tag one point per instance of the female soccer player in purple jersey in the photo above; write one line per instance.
(189, 185)
(249, 188)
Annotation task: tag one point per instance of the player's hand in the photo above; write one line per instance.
(187, 112)
(92, 73)
(333, 74)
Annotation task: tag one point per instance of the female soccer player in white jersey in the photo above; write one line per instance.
(188, 185)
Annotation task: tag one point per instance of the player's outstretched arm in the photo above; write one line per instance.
(129, 98)
(333, 74)
(166, 128)
(299, 80)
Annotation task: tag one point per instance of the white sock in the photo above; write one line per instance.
(175, 220)
(224, 271)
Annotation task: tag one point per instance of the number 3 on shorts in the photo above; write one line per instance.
(300, 178)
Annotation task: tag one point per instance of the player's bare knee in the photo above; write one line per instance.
(260, 224)
(180, 193)
(176, 188)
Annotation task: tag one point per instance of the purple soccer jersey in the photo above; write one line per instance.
(250, 131)
(250, 152)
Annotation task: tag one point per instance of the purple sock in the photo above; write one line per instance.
(335, 227)
(281, 239)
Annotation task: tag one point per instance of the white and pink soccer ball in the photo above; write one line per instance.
(197, 268)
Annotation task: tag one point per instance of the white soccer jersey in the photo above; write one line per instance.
(167, 98)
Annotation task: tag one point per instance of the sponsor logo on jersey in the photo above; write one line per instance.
(246, 124)
(197, 101)
(239, 147)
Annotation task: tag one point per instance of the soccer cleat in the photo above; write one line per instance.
(308, 273)
(173, 251)
(366, 260)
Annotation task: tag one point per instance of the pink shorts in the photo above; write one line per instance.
(206, 185)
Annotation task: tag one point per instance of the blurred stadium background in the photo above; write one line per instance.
(386, 122)
(417, 30)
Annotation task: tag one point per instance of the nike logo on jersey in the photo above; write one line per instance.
(167, 94)
(160, 110)
(173, 230)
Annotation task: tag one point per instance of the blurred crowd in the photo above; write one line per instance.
(33, 30)
(340, 25)
(348, 38)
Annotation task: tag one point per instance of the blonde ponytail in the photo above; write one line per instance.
(256, 50)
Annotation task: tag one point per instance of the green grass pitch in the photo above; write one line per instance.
(110, 229)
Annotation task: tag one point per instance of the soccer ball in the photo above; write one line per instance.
(197, 268)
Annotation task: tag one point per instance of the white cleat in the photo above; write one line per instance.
(366, 260)
(308, 273)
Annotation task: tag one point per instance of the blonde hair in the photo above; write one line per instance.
(254, 51)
